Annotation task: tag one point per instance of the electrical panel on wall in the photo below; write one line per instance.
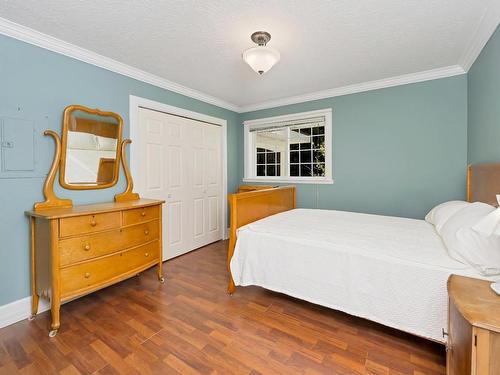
(17, 145)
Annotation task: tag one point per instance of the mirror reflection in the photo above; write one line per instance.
(91, 149)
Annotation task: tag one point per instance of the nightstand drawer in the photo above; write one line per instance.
(71, 226)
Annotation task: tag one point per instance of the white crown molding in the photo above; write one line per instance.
(405, 79)
(18, 310)
(39, 39)
(487, 26)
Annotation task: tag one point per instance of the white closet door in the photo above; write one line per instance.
(206, 185)
(180, 162)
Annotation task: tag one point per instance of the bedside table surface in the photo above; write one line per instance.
(476, 301)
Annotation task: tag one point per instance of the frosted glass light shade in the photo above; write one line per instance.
(261, 58)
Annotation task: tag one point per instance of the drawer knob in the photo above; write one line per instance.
(87, 275)
(146, 232)
(93, 223)
(87, 247)
(146, 255)
(143, 213)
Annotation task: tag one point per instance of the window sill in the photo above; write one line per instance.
(290, 181)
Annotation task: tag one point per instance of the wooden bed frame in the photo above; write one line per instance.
(254, 202)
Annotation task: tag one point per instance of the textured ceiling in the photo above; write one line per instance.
(323, 44)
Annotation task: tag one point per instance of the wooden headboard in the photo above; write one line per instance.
(254, 204)
(483, 183)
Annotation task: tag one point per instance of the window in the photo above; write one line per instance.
(293, 148)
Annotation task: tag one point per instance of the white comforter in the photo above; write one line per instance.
(387, 269)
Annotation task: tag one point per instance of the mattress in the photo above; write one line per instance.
(386, 269)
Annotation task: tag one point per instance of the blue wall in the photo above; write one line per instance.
(37, 84)
(484, 104)
(396, 151)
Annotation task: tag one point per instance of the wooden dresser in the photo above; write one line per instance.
(80, 249)
(473, 328)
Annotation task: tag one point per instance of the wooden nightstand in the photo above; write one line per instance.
(473, 327)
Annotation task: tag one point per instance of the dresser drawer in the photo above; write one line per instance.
(140, 215)
(100, 272)
(86, 247)
(142, 255)
(89, 223)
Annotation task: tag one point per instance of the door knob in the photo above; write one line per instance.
(87, 247)
(146, 232)
(87, 275)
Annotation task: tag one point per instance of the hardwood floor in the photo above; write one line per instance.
(190, 325)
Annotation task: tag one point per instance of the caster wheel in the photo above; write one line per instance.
(31, 317)
(162, 280)
(53, 333)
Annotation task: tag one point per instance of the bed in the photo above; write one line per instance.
(386, 269)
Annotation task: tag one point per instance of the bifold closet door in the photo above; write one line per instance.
(180, 161)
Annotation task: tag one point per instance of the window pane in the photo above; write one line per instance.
(305, 156)
(270, 157)
(261, 170)
(319, 141)
(319, 156)
(271, 170)
(306, 170)
(298, 151)
(319, 170)
(305, 146)
(318, 130)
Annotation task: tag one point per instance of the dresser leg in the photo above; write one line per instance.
(55, 297)
(160, 268)
(56, 318)
(34, 305)
(34, 296)
(160, 272)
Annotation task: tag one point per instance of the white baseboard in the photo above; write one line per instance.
(18, 310)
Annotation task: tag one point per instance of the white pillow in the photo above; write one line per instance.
(82, 141)
(470, 246)
(490, 224)
(106, 144)
(440, 214)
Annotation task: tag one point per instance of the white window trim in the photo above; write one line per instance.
(249, 157)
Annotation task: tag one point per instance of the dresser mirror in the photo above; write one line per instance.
(90, 150)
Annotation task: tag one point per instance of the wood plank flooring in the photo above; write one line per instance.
(189, 325)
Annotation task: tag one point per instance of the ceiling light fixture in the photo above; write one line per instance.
(261, 58)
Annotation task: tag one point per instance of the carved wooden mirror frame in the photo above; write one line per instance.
(51, 199)
(68, 111)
